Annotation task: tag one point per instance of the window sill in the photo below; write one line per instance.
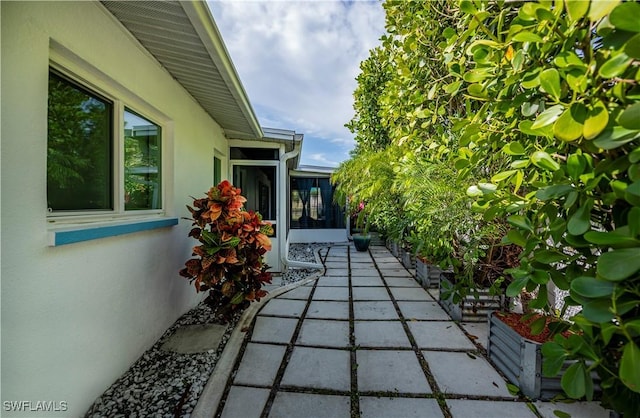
(71, 235)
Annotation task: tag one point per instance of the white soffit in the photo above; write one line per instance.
(185, 40)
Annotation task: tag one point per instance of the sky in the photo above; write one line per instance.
(298, 62)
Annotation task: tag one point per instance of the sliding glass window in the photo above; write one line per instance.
(312, 205)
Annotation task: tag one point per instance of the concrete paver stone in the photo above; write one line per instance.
(244, 402)
(331, 293)
(374, 310)
(380, 334)
(341, 272)
(195, 339)
(575, 409)
(459, 373)
(483, 409)
(328, 310)
(423, 311)
(273, 330)
(386, 259)
(260, 364)
(324, 333)
(365, 272)
(318, 368)
(402, 282)
(362, 265)
(356, 255)
(284, 307)
(359, 281)
(333, 281)
(409, 293)
(337, 255)
(334, 256)
(375, 407)
(341, 264)
(478, 331)
(370, 293)
(297, 405)
(395, 272)
(440, 335)
(390, 371)
(301, 293)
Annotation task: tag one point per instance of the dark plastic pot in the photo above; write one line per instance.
(361, 242)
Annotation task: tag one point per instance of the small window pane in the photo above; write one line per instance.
(238, 153)
(142, 139)
(217, 170)
(79, 148)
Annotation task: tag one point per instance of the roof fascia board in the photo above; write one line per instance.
(200, 16)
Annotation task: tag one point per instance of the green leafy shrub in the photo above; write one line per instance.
(558, 87)
(533, 108)
(368, 179)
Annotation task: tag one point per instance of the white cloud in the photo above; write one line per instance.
(298, 61)
(321, 160)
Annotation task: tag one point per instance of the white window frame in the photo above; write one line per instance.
(262, 163)
(87, 76)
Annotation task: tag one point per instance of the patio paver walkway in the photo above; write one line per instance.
(365, 340)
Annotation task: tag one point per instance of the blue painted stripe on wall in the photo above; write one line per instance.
(87, 234)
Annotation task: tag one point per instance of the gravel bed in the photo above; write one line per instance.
(301, 252)
(166, 384)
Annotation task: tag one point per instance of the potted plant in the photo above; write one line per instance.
(229, 262)
(516, 347)
(474, 305)
(361, 236)
(478, 284)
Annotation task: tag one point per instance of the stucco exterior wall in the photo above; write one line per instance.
(305, 236)
(75, 317)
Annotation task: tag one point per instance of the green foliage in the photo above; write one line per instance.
(365, 183)
(366, 124)
(532, 108)
(562, 87)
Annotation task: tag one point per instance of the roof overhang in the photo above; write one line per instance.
(183, 37)
(291, 140)
(316, 170)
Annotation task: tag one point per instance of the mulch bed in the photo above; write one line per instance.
(522, 325)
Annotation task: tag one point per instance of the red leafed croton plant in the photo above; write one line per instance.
(229, 262)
